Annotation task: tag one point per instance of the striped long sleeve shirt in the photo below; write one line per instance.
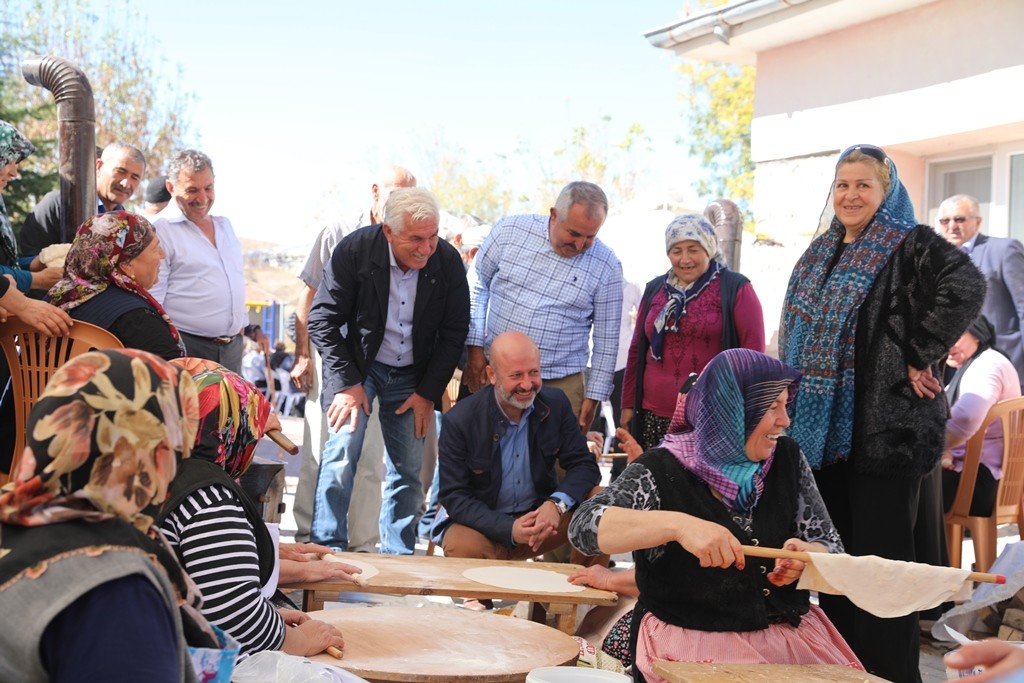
(217, 547)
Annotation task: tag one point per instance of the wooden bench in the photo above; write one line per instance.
(425, 575)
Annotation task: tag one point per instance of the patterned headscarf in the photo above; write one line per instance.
(232, 418)
(819, 319)
(104, 440)
(709, 430)
(690, 226)
(14, 148)
(101, 244)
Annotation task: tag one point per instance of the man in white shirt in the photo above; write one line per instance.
(202, 283)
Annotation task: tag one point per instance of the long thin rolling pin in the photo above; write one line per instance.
(778, 553)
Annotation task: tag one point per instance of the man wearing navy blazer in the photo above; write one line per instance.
(497, 455)
(389, 319)
(1001, 261)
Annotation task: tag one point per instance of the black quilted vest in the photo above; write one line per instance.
(677, 590)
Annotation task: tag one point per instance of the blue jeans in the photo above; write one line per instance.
(403, 494)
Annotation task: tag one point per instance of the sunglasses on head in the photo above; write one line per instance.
(876, 153)
(959, 220)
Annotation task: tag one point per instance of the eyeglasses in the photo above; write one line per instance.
(959, 220)
(876, 153)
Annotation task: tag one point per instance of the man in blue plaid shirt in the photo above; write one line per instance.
(552, 279)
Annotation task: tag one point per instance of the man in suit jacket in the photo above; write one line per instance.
(497, 454)
(389, 319)
(1001, 261)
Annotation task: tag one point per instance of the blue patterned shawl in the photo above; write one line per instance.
(819, 323)
(709, 430)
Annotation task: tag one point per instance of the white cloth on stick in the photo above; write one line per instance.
(885, 588)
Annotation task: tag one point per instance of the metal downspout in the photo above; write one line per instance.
(76, 133)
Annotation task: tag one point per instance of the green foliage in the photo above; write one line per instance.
(720, 109)
(588, 155)
(117, 55)
(465, 192)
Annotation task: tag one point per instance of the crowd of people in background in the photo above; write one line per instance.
(843, 444)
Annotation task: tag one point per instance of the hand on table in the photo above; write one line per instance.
(594, 576)
(298, 567)
(311, 637)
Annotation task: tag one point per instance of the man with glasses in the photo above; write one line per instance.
(1001, 260)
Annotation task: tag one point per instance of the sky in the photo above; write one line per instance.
(299, 103)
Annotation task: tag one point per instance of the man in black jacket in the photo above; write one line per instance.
(497, 456)
(389, 319)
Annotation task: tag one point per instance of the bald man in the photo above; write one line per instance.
(364, 508)
(497, 454)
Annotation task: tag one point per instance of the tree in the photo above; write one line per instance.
(464, 192)
(116, 54)
(720, 102)
(588, 155)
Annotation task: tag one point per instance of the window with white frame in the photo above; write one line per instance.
(963, 176)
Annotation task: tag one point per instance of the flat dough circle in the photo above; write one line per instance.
(368, 571)
(523, 578)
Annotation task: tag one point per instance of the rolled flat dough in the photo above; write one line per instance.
(523, 578)
(367, 570)
(885, 588)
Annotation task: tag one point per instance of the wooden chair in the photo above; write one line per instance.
(33, 358)
(1008, 497)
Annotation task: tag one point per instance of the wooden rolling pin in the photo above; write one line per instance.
(778, 553)
(278, 437)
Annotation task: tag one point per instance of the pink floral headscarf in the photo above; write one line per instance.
(101, 244)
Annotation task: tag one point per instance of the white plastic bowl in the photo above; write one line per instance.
(574, 674)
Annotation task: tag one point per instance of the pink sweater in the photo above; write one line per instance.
(698, 341)
(990, 379)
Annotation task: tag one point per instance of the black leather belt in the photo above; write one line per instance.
(219, 341)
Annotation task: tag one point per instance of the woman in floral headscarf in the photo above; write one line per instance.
(89, 589)
(689, 314)
(217, 532)
(725, 471)
(113, 261)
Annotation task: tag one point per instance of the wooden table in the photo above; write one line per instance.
(426, 575)
(688, 672)
(441, 644)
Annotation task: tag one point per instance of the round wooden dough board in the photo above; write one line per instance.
(435, 644)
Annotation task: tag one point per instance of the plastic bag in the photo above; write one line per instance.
(277, 667)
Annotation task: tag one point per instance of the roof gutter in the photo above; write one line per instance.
(718, 21)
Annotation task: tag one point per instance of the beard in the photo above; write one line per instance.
(512, 400)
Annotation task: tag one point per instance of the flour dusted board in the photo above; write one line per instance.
(522, 578)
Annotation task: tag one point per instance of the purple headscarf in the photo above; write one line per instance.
(709, 430)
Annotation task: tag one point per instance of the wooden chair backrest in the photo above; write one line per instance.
(33, 359)
(1011, 486)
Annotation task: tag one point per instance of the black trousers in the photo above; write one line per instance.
(874, 516)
